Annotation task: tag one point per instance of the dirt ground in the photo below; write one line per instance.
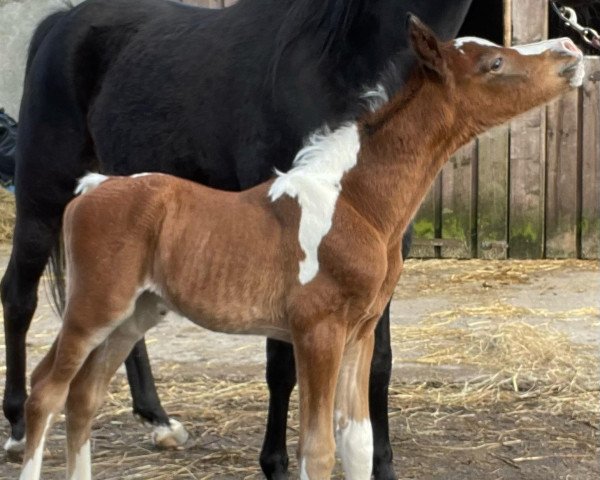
(496, 376)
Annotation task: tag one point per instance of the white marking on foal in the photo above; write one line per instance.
(83, 463)
(354, 441)
(315, 180)
(303, 472)
(88, 182)
(554, 45)
(376, 97)
(144, 174)
(33, 468)
(459, 42)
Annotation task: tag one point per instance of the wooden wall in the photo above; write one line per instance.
(530, 189)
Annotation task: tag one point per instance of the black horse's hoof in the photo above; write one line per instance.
(275, 467)
(385, 472)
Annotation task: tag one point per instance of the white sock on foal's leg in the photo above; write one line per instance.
(354, 441)
(32, 470)
(83, 463)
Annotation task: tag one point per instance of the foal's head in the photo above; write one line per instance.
(487, 84)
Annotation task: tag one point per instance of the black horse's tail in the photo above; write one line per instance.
(55, 277)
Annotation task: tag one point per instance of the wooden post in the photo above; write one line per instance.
(527, 148)
(562, 142)
(492, 195)
(590, 158)
(424, 228)
(507, 23)
(457, 208)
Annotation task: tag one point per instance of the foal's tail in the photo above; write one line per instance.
(55, 271)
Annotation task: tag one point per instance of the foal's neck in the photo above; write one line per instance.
(402, 148)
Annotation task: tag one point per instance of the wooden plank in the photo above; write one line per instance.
(424, 228)
(456, 208)
(507, 23)
(492, 195)
(527, 148)
(562, 142)
(590, 168)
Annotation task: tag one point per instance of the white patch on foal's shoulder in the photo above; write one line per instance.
(354, 441)
(88, 182)
(83, 463)
(315, 181)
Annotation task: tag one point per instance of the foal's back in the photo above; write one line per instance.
(208, 253)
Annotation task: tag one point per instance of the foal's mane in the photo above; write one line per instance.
(379, 116)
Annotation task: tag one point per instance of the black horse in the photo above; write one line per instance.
(217, 96)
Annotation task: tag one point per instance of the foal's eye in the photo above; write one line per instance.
(497, 64)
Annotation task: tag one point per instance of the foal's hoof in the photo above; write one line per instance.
(15, 447)
(171, 437)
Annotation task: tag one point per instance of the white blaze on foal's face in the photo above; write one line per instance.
(504, 61)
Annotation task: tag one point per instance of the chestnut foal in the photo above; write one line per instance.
(310, 257)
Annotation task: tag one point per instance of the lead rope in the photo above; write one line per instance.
(569, 16)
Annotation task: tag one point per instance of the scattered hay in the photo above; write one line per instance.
(521, 400)
(518, 363)
(452, 276)
(7, 215)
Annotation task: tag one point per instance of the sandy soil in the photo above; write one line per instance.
(498, 441)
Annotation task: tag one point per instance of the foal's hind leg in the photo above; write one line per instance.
(89, 387)
(50, 386)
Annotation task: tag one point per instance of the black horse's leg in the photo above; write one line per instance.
(381, 370)
(33, 241)
(281, 378)
(379, 382)
(168, 433)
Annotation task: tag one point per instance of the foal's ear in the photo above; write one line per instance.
(426, 46)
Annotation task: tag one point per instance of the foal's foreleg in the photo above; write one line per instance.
(354, 436)
(318, 350)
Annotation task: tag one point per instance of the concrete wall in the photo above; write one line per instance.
(18, 19)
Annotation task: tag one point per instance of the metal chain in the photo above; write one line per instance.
(569, 16)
